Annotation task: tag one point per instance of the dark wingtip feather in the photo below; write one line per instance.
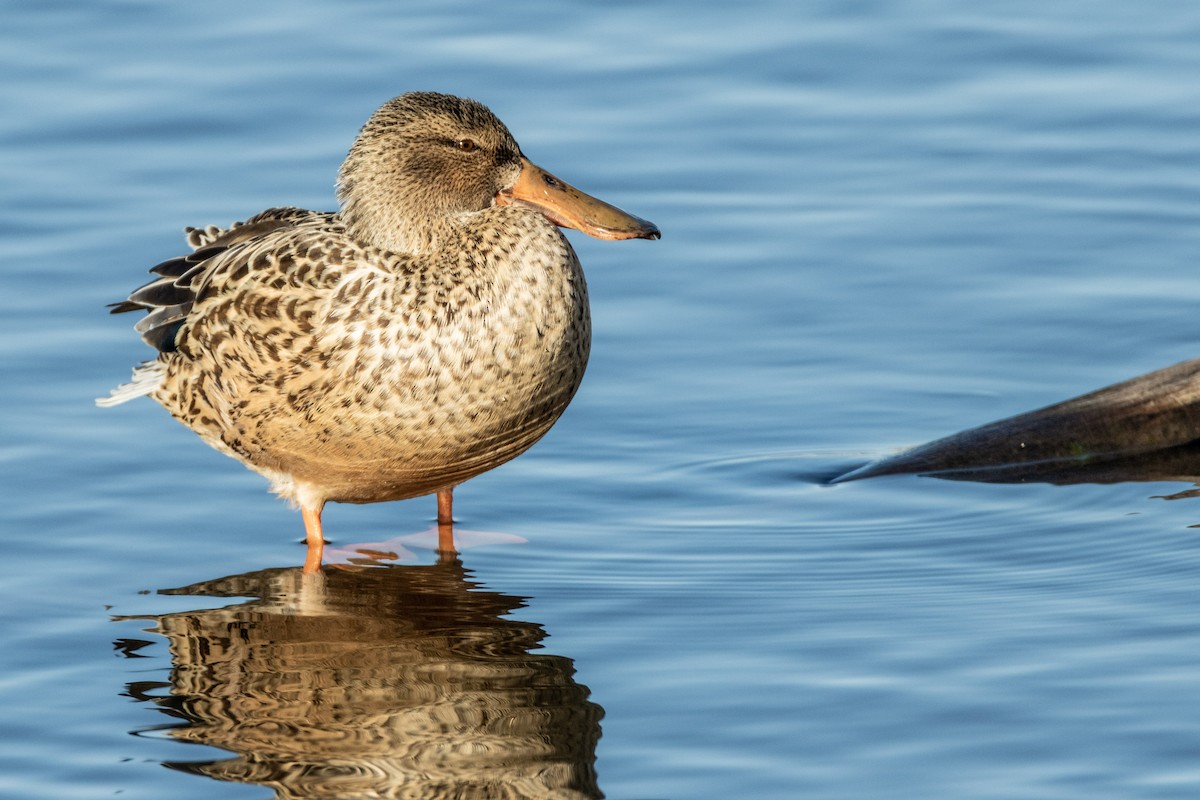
(160, 327)
(172, 267)
(162, 337)
(163, 292)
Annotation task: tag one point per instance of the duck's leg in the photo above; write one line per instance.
(313, 537)
(445, 520)
(445, 506)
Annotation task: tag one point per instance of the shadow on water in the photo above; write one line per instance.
(1143, 429)
(396, 682)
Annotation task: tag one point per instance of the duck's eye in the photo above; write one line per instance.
(466, 145)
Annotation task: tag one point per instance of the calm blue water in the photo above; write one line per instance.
(883, 222)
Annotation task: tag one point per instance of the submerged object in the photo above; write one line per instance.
(1146, 428)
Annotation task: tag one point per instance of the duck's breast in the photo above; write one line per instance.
(433, 372)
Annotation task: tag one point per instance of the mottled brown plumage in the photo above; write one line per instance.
(432, 329)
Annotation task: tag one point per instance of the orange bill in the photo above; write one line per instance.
(565, 205)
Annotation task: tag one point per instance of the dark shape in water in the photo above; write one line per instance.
(392, 682)
(1144, 429)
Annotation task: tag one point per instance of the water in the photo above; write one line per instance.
(882, 222)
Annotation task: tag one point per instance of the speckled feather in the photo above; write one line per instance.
(394, 348)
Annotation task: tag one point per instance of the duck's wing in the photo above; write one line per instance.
(246, 229)
(233, 285)
(170, 297)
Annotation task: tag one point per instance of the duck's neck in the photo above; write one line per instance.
(389, 224)
(383, 210)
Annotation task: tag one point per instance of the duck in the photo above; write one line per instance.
(431, 329)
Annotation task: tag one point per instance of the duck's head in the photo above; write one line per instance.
(424, 160)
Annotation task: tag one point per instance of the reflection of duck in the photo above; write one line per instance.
(431, 330)
(393, 682)
(1144, 429)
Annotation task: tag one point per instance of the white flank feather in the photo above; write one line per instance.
(147, 377)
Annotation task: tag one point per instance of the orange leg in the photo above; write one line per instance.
(313, 537)
(445, 520)
(446, 506)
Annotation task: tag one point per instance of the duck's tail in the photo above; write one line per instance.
(147, 377)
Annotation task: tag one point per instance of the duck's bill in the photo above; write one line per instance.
(565, 205)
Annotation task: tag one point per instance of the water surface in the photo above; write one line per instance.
(882, 222)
